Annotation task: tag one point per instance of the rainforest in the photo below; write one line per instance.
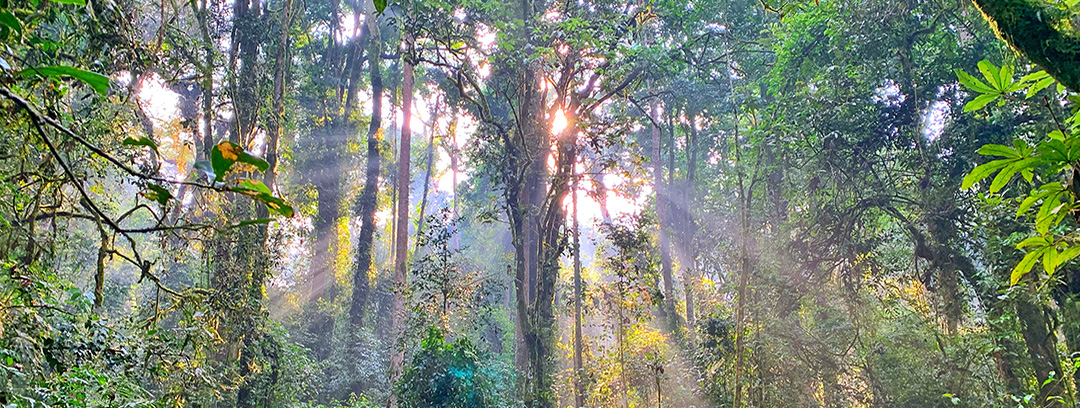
(540, 203)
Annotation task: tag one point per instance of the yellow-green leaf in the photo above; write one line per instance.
(980, 102)
(1049, 260)
(1042, 84)
(1033, 241)
(990, 72)
(1024, 267)
(973, 83)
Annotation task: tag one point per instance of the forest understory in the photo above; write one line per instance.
(540, 203)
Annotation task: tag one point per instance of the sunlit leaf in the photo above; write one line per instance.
(973, 83)
(255, 185)
(1028, 175)
(1045, 218)
(1006, 174)
(1024, 267)
(275, 205)
(258, 162)
(1042, 192)
(1038, 241)
(1006, 80)
(1022, 147)
(1042, 84)
(1067, 255)
(990, 72)
(222, 157)
(980, 102)
(1034, 76)
(1049, 259)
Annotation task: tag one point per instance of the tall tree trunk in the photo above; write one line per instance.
(327, 178)
(206, 75)
(1042, 349)
(686, 228)
(668, 306)
(524, 186)
(368, 202)
(401, 240)
(401, 233)
(276, 122)
(453, 151)
(430, 161)
(327, 182)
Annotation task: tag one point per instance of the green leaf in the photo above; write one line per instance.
(1022, 147)
(1026, 205)
(142, 141)
(980, 102)
(225, 154)
(1057, 135)
(973, 83)
(380, 5)
(8, 19)
(990, 72)
(253, 160)
(1024, 266)
(222, 158)
(1038, 241)
(1050, 260)
(157, 193)
(1045, 218)
(1034, 76)
(252, 188)
(99, 82)
(75, 2)
(983, 171)
(1042, 192)
(1067, 255)
(1006, 174)
(1028, 175)
(275, 205)
(1006, 79)
(998, 150)
(1034, 89)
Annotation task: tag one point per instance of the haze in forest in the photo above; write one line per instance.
(539, 203)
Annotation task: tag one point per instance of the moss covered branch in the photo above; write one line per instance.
(1040, 32)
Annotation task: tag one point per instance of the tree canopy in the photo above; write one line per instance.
(539, 203)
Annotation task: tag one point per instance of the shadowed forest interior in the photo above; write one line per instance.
(540, 203)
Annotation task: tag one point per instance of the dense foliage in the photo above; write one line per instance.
(539, 203)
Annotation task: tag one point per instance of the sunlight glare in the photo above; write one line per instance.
(558, 123)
